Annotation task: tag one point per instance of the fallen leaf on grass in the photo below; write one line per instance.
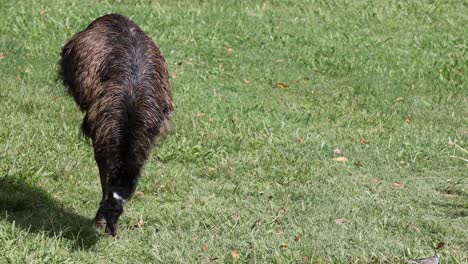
(363, 141)
(440, 245)
(282, 85)
(408, 120)
(235, 254)
(211, 170)
(340, 221)
(399, 99)
(341, 159)
(360, 163)
(305, 259)
(138, 194)
(375, 180)
(398, 185)
(300, 140)
(247, 81)
(201, 114)
(140, 222)
(2, 55)
(235, 217)
(43, 12)
(228, 49)
(204, 248)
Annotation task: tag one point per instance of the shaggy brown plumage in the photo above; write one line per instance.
(119, 78)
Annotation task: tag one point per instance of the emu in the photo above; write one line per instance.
(119, 79)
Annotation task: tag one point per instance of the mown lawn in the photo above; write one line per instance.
(268, 94)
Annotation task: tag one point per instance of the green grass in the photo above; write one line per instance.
(249, 166)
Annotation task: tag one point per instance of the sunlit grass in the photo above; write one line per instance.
(250, 163)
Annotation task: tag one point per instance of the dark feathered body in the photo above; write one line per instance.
(119, 78)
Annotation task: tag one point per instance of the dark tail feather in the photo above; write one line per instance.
(127, 154)
(85, 130)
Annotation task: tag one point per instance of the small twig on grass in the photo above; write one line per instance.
(455, 157)
(451, 143)
(456, 145)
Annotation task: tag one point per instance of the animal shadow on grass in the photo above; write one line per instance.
(33, 209)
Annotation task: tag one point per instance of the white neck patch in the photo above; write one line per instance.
(117, 197)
